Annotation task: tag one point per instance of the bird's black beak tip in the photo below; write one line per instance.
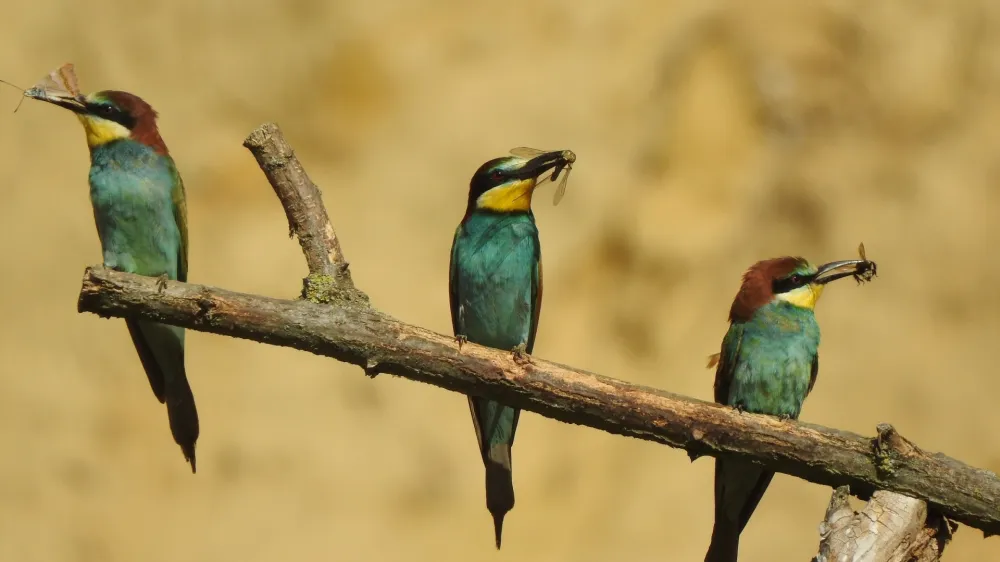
(549, 160)
(65, 100)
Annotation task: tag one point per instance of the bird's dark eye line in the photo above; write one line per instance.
(793, 281)
(102, 109)
(111, 113)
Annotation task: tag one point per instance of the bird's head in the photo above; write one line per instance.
(790, 279)
(505, 184)
(110, 115)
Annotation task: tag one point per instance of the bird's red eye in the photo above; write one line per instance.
(497, 174)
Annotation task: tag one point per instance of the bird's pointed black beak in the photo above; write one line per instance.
(840, 269)
(545, 162)
(61, 98)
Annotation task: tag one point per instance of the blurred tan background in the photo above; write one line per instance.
(709, 135)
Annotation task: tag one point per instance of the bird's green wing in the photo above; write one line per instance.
(456, 324)
(180, 216)
(813, 374)
(457, 327)
(536, 302)
(729, 355)
(536, 310)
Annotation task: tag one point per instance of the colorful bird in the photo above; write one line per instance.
(768, 365)
(140, 211)
(495, 287)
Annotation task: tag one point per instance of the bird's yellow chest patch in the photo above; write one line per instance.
(803, 297)
(508, 197)
(102, 131)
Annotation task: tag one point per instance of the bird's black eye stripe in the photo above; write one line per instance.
(793, 281)
(102, 110)
(111, 113)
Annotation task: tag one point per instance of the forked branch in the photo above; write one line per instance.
(329, 276)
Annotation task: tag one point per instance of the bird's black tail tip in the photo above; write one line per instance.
(498, 526)
(183, 417)
(189, 457)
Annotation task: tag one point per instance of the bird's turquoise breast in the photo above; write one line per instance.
(774, 366)
(131, 191)
(495, 259)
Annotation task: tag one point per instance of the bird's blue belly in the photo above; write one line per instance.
(496, 273)
(134, 212)
(497, 312)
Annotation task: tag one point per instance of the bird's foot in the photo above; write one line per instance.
(740, 408)
(784, 417)
(520, 354)
(161, 282)
(461, 340)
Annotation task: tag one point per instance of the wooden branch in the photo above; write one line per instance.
(307, 217)
(379, 343)
(891, 528)
(337, 322)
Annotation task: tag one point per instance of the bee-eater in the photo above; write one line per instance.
(140, 211)
(495, 286)
(768, 365)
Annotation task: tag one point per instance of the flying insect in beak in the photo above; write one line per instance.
(60, 88)
(567, 157)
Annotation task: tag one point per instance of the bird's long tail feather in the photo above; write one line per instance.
(739, 487)
(499, 487)
(161, 351)
(725, 541)
(183, 416)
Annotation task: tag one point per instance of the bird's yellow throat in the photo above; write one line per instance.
(102, 131)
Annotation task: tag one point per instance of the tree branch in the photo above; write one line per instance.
(307, 217)
(891, 528)
(340, 324)
(381, 344)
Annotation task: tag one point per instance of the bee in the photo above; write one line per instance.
(568, 159)
(867, 270)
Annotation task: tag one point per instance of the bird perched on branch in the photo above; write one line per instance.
(140, 211)
(495, 287)
(768, 365)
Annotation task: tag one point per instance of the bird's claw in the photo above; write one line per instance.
(520, 354)
(784, 417)
(460, 340)
(161, 282)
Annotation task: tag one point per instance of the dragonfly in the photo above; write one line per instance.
(568, 157)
